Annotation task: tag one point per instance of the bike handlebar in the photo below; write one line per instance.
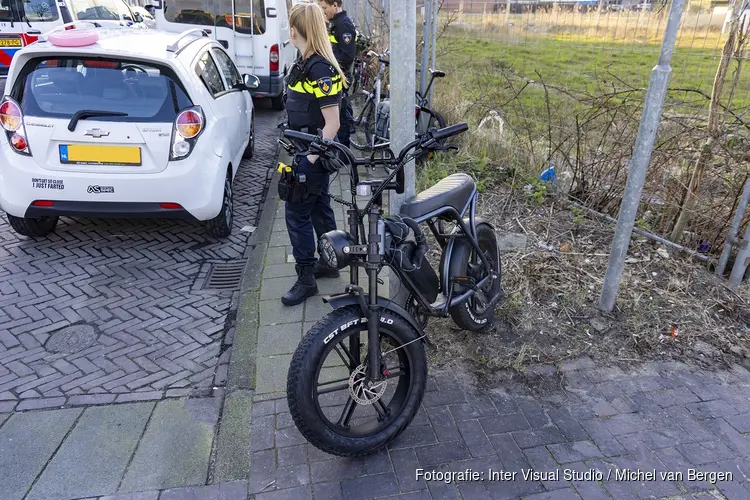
(319, 145)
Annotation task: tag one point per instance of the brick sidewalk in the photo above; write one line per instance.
(662, 416)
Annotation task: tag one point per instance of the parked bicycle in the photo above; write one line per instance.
(372, 120)
(357, 378)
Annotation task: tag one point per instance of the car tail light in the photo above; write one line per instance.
(188, 126)
(100, 64)
(11, 119)
(170, 206)
(274, 58)
(43, 203)
(10, 116)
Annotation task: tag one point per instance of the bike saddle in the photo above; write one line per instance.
(454, 191)
(437, 73)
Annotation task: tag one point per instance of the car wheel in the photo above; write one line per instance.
(251, 144)
(33, 227)
(277, 102)
(221, 225)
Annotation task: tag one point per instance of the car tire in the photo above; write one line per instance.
(250, 149)
(277, 102)
(33, 227)
(221, 225)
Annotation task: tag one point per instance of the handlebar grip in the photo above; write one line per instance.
(443, 133)
(300, 136)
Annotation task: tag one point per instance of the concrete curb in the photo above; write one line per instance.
(232, 455)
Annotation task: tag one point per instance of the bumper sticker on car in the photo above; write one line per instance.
(47, 184)
(101, 189)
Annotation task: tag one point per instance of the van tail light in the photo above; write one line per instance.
(188, 126)
(274, 58)
(11, 119)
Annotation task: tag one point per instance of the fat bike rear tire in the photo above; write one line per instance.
(406, 364)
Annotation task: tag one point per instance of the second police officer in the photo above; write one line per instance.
(343, 36)
(314, 88)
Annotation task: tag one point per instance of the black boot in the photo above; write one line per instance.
(323, 271)
(304, 287)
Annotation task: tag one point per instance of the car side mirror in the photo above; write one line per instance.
(138, 17)
(250, 82)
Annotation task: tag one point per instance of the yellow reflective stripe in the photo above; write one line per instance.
(335, 89)
(302, 87)
(332, 38)
(311, 87)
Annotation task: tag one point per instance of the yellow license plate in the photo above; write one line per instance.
(81, 154)
(10, 42)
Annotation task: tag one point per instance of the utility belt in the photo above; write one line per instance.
(295, 187)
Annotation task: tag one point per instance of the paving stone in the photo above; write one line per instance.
(666, 437)
(541, 461)
(161, 461)
(278, 271)
(688, 422)
(210, 492)
(712, 409)
(289, 437)
(144, 495)
(262, 436)
(504, 423)
(740, 422)
(475, 439)
(290, 476)
(369, 486)
(27, 442)
(39, 404)
(568, 425)
(378, 463)
(533, 412)
(625, 424)
(281, 339)
(508, 452)
(574, 452)
(442, 453)
(443, 424)
(473, 491)
(299, 493)
(292, 455)
(442, 489)
(273, 312)
(565, 494)
(329, 491)
(337, 469)
(262, 471)
(271, 373)
(405, 465)
(274, 289)
(532, 438)
(414, 435)
(93, 458)
(706, 452)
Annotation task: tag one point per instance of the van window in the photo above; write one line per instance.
(198, 12)
(244, 21)
(100, 10)
(40, 10)
(60, 87)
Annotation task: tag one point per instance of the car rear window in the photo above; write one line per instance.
(58, 88)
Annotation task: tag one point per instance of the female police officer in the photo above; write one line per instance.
(314, 90)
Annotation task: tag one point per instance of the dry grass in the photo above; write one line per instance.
(668, 308)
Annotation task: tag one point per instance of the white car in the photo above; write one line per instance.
(121, 123)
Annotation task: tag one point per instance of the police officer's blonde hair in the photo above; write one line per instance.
(309, 22)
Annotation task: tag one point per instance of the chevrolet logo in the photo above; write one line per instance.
(97, 133)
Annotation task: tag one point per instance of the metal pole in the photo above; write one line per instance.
(403, 86)
(426, 33)
(435, 18)
(368, 17)
(743, 258)
(732, 236)
(644, 145)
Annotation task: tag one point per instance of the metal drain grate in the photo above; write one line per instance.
(71, 339)
(225, 275)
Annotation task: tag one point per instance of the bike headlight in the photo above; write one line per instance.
(334, 248)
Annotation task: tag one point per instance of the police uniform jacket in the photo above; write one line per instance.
(319, 87)
(343, 39)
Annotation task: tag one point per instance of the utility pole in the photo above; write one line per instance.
(403, 23)
(644, 145)
(435, 13)
(423, 73)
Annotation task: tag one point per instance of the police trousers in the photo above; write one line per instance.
(346, 121)
(308, 220)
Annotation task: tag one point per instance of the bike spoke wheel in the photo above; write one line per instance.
(331, 399)
(363, 112)
(349, 403)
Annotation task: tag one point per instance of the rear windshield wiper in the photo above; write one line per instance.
(89, 113)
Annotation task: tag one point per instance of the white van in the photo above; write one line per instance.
(255, 33)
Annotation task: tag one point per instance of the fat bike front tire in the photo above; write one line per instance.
(323, 396)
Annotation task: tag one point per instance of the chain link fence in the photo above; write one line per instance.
(562, 84)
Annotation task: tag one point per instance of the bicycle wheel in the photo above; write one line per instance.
(363, 111)
(330, 400)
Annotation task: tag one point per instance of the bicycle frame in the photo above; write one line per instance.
(370, 253)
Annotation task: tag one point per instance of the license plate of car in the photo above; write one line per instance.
(10, 42)
(83, 154)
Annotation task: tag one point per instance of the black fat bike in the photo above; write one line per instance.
(358, 376)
